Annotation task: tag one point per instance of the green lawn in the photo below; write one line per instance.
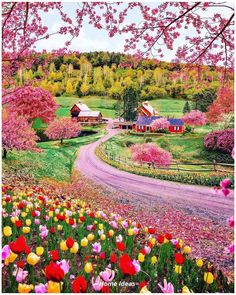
(169, 106)
(56, 161)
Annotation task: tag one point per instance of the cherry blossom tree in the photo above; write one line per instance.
(150, 153)
(32, 103)
(160, 124)
(63, 128)
(224, 104)
(208, 28)
(195, 118)
(17, 134)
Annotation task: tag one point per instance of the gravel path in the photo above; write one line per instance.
(198, 200)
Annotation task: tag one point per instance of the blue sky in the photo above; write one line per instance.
(92, 39)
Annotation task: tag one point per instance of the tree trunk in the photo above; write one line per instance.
(61, 140)
(4, 153)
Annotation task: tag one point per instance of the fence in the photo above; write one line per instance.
(175, 165)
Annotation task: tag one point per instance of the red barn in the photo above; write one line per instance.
(147, 110)
(83, 113)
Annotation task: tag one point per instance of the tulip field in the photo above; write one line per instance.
(58, 244)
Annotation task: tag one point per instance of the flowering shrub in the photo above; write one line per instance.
(160, 124)
(150, 153)
(58, 244)
(221, 140)
(195, 118)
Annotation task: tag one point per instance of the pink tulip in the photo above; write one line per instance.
(64, 265)
(107, 275)
(97, 247)
(20, 274)
(43, 231)
(72, 277)
(97, 284)
(225, 192)
(231, 221)
(119, 239)
(230, 249)
(136, 265)
(167, 288)
(40, 288)
(232, 154)
(5, 252)
(89, 227)
(147, 249)
(114, 224)
(37, 221)
(125, 224)
(225, 183)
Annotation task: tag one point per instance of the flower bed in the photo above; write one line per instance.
(212, 179)
(58, 244)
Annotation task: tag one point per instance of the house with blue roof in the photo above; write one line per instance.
(147, 114)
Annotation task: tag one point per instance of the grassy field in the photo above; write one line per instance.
(169, 107)
(184, 148)
(56, 161)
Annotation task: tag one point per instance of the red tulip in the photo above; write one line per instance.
(106, 289)
(102, 255)
(70, 242)
(52, 230)
(160, 239)
(53, 272)
(151, 230)
(179, 258)
(54, 255)
(19, 245)
(82, 218)
(71, 221)
(20, 264)
(18, 223)
(142, 284)
(126, 265)
(168, 236)
(79, 285)
(113, 258)
(120, 246)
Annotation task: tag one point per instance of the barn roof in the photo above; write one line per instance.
(82, 106)
(148, 107)
(89, 114)
(143, 120)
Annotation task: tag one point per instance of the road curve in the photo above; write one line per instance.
(195, 198)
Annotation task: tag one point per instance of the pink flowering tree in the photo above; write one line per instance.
(17, 134)
(32, 103)
(160, 124)
(151, 154)
(62, 128)
(195, 118)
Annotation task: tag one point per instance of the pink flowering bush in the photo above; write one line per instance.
(150, 153)
(63, 128)
(195, 118)
(160, 124)
(17, 134)
(32, 103)
(220, 140)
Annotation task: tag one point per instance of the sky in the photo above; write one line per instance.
(91, 39)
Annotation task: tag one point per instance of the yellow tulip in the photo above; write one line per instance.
(178, 269)
(7, 231)
(63, 246)
(141, 257)
(90, 237)
(11, 258)
(39, 251)
(24, 288)
(199, 262)
(185, 289)
(26, 229)
(14, 219)
(32, 258)
(59, 227)
(23, 214)
(84, 242)
(187, 250)
(181, 243)
(28, 222)
(75, 248)
(103, 237)
(154, 259)
(165, 240)
(111, 232)
(50, 214)
(144, 290)
(100, 226)
(153, 241)
(130, 231)
(55, 219)
(88, 267)
(208, 277)
(54, 287)
(4, 203)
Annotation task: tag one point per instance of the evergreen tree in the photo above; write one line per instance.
(130, 103)
(78, 91)
(186, 108)
(203, 99)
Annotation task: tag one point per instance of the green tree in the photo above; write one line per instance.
(203, 99)
(130, 103)
(69, 88)
(186, 108)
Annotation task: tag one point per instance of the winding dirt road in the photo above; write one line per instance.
(191, 198)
